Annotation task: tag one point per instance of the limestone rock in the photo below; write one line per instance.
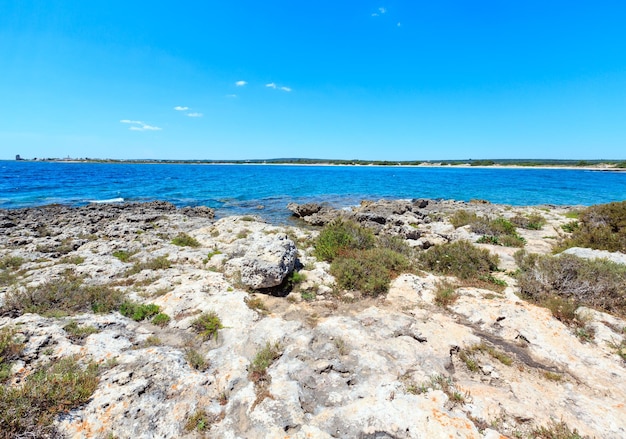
(267, 261)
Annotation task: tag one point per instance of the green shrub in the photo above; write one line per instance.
(62, 296)
(79, 333)
(566, 281)
(184, 240)
(462, 218)
(396, 244)
(368, 271)
(10, 350)
(570, 227)
(137, 311)
(29, 409)
(532, 221)
(460, 259)
(158, 263)
(13, 262)
(602, 227)
(207, 325)
(123, 255)
(196, 360)
(161, 319)
(342, 235)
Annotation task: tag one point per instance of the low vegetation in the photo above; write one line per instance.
(562, 283)
(263, 360)
(29, 409)
(184, 240)
(341, 236)
(601, 227)
(123, 255)
(531, 221)
(368, 271)
(445, 294)
(196, 360)
(10, 350)
(78, 333)
(499, 231)
(556, 430)
(207, 325)
(360, 261)
(158, 263)
(459, 258)
(65, 295)
(137, 311)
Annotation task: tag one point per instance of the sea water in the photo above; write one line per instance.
(266, 189)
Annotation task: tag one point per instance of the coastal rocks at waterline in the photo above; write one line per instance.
(345, 366)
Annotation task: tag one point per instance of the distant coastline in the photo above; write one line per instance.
(590, 165)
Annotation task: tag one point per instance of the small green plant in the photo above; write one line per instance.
(256, 304)
(123, 255)
(137, 311)
(341, 346)
(10, 350)
(339, 236)
(243, 234)
(264, 359)
(493, 352)
(198, 421)
(469, 360)
(207, 325)
(79, 333)
(247, 218)
(308, 295)
(211, 254)
(492, 279)
(158, 263)
(196, 360)
(161, 319)
(445, 294)
(75, 260)
(184, 240)
(570, 227)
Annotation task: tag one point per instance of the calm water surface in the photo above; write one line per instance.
(235, 189)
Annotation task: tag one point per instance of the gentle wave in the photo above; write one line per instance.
(111, 200)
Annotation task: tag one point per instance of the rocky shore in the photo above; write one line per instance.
(288, 353)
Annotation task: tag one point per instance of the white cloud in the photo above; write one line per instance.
(138, 125)
(179, 108)
(194, 114)
(381, 11)
(399, 24)
(231, 96)
(276, 87)
(240, 83)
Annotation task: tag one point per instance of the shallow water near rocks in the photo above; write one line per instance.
(266, 189)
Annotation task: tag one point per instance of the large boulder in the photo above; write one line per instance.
(267, 261)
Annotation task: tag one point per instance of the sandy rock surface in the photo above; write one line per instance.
(348, 367)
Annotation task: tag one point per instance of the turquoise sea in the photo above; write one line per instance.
(266, 189)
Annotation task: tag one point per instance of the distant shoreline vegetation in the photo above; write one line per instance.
(600, 164)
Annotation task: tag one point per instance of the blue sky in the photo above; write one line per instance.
(240, 79)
